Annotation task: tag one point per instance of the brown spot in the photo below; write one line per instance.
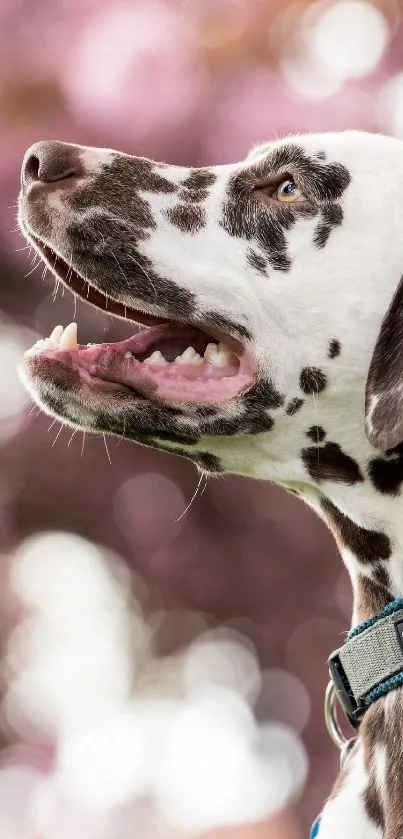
(367, 545)
(371, 597)
(330, 463)
(188, 218)
(199, 179)
(312, 380)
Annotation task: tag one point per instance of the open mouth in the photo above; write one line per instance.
(169, 360)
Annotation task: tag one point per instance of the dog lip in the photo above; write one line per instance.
(90, 294)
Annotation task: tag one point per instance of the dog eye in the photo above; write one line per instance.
(287, 191)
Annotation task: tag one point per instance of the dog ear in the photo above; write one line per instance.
(384, 390)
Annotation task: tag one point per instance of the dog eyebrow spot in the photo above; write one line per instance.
(294, 406)
(316, 433)
(187, 218)
(312, 380)
(367, 545)
(332, 216)
(330, 463)
(334, 348)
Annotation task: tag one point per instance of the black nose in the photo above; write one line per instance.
(49, 162)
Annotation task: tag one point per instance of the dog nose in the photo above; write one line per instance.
(49, 162)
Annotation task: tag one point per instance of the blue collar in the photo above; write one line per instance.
(315, 828)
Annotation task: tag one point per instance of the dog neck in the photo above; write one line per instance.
(366, 521)
(330, 464)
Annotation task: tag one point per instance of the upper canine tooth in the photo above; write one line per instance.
(68, 340)
(220, 355)
(55, 336)
(156, 358)
(189, 356)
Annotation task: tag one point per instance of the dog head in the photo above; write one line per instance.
(262, 284)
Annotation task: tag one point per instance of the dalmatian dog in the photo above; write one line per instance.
(270, 298)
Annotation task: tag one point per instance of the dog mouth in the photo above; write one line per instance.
(167, 359)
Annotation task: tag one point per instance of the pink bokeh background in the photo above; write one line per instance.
(192, 82)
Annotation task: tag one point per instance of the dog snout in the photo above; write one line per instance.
(49, 162)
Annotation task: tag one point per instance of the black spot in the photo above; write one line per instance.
(334, 348)
(256, 261)
(332, 216)
(316, 433)
(253, 421)
(367, 545)
(187, 218)
(208, 461)
(263, 393)
(330, 463)
(294, 406)
(312, 380)
(386, 473)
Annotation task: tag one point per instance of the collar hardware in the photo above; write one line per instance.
(369, 665)
(353, 710)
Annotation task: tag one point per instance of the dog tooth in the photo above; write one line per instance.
(220, 355)
(55, 336)
(189, 356)
(156, 358)
(128, 354)
(68, 340)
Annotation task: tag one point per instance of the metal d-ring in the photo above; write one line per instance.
(344, 744)
(332, 723)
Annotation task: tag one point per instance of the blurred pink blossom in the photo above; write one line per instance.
(134, 67)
